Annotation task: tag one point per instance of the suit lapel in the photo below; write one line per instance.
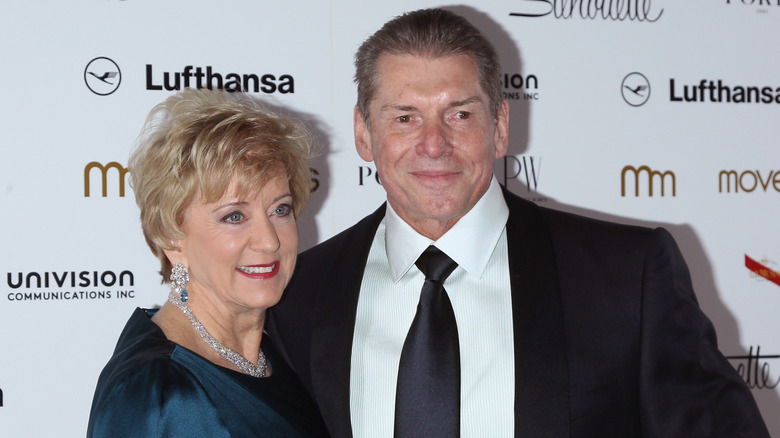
(334, 325)
(541, 369)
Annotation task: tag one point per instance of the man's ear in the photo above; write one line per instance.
(362, 137)
(501, 133)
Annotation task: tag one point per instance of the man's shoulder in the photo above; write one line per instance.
(574, 226)
(349, 239)
(567, 221)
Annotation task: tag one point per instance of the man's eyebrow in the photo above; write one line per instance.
(466, 101)
(399, 107)
(453, 104)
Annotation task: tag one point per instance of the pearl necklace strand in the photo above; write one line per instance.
(231, 356)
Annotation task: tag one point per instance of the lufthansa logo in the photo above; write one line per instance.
(102, 76)
(635, 89)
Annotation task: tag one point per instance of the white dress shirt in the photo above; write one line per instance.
(480, 292)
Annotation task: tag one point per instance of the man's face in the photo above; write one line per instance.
(432, 138)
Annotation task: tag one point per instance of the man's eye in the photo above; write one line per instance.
(404, 119)
(233, 217)
(463, 114)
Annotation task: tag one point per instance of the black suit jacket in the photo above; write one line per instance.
(609, 339)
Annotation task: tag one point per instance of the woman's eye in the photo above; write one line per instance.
(283, 210)
(233, 217)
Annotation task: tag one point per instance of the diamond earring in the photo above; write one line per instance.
(179, 278)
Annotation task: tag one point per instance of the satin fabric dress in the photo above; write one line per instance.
(152, 387)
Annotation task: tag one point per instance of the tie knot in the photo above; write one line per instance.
(435, 264)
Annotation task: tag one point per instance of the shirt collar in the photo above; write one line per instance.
(470, 242)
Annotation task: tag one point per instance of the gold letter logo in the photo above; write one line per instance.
(650, 176)
(104, 177)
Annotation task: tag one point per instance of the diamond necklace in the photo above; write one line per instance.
(229, 355)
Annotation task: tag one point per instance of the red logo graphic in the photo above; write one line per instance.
(762, 271)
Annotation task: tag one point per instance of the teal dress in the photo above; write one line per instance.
(153, 387)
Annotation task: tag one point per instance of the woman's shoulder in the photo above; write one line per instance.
(143, 392)
(142, 354)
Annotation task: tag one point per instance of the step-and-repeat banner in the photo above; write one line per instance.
(651, 112)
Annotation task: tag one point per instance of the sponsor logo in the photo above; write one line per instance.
(748, 181)
(716, 91)
(635, 89)
(516, 173)
(755, 368)
(761, 6)
(519, 87)
(366, 174)
(520, 174)
(315, 182)
(652, 175)
(615, 10)
(102, 76)
(69, 285)
(199, 77)
(762, 269)
(121, 173)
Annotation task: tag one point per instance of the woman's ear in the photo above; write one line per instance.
(175, 253)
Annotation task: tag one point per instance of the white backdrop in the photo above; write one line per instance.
(576, 126)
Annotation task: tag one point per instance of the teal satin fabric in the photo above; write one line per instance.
(152, 387)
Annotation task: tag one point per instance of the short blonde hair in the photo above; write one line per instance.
(195, 143)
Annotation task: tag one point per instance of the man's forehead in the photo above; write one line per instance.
(392, 69)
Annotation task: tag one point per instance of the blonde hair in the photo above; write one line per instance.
(197, 142)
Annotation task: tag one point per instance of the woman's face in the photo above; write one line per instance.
(240, 252)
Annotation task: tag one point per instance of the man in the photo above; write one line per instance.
(565, 326)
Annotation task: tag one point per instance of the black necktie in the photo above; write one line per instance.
(427, 401)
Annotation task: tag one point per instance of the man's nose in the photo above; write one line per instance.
(434, 141)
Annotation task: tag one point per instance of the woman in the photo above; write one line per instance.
(220, 181)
